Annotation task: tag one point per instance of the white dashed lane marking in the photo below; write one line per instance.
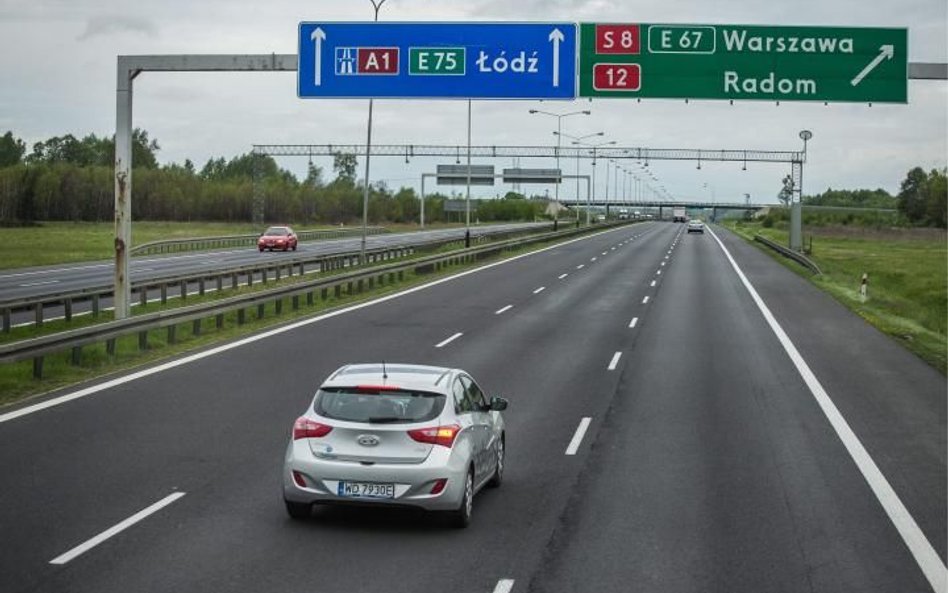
(615, 361)
(116, 529)
(578, 436)
(449, 340)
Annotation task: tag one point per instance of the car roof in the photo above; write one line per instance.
(414, 377)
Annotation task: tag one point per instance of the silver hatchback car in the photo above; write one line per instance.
(399, 435)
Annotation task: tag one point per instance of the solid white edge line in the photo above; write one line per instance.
(115, 529)
(578, 436)
(503, 310)
(273, 332)
(928, 560)
(634, 322)
(504, 586)
(449, 340)
(615, 361)
(539, 290)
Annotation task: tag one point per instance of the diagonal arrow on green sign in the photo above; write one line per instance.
(748, 62)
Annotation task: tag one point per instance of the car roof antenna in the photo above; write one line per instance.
(384, 373)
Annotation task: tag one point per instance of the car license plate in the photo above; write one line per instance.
(366, 490)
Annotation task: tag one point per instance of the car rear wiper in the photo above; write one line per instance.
(384, 419)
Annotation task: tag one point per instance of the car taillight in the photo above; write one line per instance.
(304, 428)
(439, 485)
(436, 435)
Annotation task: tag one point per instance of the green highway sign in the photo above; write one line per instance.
(749, 62)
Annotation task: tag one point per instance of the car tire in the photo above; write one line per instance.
(461, 517)
(261, 249)
(294, 247)
(298, 510)
(498, 477)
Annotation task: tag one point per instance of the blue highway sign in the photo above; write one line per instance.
(437, 60)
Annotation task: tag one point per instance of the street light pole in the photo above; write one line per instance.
(578, 140)
(467, 202)
(594, 148)
(376, 4)
(559, 134)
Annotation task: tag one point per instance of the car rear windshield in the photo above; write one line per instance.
(279, 231)
(382, 407)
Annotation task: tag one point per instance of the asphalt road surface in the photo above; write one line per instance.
(24, 283)
(710, 460)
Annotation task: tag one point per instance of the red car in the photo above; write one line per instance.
(277, 237)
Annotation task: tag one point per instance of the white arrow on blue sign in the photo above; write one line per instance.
(437, 60)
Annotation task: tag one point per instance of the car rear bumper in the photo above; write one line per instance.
(413, 482)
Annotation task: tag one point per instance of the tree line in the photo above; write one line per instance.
(69, 178)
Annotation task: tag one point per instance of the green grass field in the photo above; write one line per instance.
(908, 279)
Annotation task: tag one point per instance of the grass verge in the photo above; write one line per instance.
(17, 382)
(908, 279)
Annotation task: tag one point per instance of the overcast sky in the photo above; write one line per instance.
(57, 76)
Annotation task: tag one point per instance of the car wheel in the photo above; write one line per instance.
(498, 477)
(261, 249)
(294, 247)
(298, 510)
(461, 517)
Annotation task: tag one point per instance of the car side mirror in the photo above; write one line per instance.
(497, 404)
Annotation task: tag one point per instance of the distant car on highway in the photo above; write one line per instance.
(396, 435)
(277, 237)
(695, 226)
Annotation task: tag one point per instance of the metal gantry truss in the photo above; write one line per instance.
(643, 155)
(409, 151)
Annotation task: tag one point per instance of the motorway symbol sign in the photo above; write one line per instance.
(437, 60)
(641, 60)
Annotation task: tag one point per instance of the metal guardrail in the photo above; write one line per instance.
(231, 276)
(199, 243)
(350, 283)
(787, 252)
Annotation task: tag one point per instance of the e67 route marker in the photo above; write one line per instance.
(772, 63)
(437, 60)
